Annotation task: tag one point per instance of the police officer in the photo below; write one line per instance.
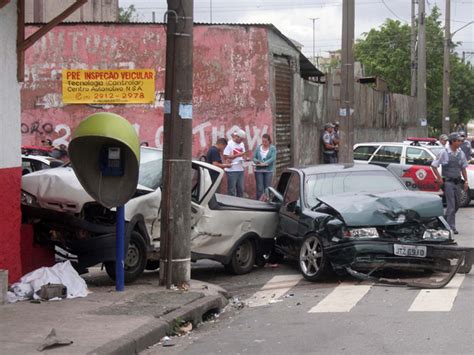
(329, 145)
(465, 146)
(453, 163)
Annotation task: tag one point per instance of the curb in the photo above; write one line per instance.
(152, 332)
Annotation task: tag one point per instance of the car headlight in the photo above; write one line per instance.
(362, 233)
(28, 199)
(436, 234)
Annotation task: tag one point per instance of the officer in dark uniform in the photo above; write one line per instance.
(453, 162)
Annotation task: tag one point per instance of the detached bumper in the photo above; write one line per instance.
(370, 255)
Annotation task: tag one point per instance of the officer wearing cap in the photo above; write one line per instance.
(454, 164)
(329, 145)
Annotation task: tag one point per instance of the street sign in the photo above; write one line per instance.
(108, 86)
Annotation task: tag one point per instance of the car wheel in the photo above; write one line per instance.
(243, 258)
(464, 198)
(135, 259)
(313, 261)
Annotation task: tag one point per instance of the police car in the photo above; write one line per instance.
(32, 163)
(411, 161)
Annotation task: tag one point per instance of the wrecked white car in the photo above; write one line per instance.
(234, 231)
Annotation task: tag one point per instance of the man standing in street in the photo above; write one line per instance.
(443, 140)
(213, 157)
(329, 145)
(235, 151)
(453, 164)
(466, 146)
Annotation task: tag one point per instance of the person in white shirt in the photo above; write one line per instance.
(235, 151)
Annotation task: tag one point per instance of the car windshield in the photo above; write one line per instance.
(151, 168)
(319, 185)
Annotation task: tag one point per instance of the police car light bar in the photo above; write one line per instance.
(416, 139)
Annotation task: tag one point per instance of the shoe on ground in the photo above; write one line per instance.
(455, 231)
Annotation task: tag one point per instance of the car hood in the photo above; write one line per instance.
(59, 189)
(389, 208)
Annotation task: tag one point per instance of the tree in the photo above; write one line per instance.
(128, 15)
(385, 52)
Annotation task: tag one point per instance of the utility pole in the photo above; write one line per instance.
(421, 80)
(446, 67)
(175, 247)
(314, 32)
(346, 111)
(210, 10)
(413, 49)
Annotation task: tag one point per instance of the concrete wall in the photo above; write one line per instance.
(94, 10)
(379, 116)
(10, 167)
(231, 81)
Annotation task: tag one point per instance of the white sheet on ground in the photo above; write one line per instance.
(61, 273)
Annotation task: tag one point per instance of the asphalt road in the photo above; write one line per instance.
(284, 314)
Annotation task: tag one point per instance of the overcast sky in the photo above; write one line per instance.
(292, 17)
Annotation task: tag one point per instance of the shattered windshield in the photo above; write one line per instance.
(319, 185)
(151, 168)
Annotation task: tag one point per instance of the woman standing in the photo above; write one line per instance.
(264, 158)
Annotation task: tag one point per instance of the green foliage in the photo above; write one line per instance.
(385, 52)
(128, 15)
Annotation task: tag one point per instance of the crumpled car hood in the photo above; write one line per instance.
(389, 208)
(59, 189)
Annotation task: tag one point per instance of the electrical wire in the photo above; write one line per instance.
(393, 12)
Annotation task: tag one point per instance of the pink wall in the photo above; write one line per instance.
(231, 81)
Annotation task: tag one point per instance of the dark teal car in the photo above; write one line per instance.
(355, 218)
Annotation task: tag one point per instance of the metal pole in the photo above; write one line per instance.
(210, 9)
(446, 68)
(175, 252)
(421, 80)
(346, 111)
(120, 250)
(413, 49)
(153, 16)
(314, 34)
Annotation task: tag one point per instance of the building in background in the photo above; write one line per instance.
(41, 11)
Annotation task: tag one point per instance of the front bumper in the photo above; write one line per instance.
(92, 243)
(370, 255)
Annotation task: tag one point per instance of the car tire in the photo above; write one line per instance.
(312, 260)
(135, 259)
(243, 258)
(464, 198)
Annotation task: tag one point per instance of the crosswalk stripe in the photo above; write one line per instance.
(437, 300)
(342, 299)
(276, 287)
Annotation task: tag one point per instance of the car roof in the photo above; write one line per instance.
(41, 158)
(399, 144)
(334, 168)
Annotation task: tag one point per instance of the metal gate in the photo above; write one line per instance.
(283, 85)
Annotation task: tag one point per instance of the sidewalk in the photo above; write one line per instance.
(106, 322)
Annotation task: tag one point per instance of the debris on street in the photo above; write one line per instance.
(49, 283)
(52, 340)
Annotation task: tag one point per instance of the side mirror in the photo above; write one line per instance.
(274, 195)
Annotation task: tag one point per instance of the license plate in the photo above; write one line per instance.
(409, 250)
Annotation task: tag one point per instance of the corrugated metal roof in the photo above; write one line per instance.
(307, 68)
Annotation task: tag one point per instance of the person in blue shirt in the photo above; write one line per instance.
(264, 158)
(214, 157)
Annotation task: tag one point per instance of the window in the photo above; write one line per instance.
(388, 155)
(364, 152)
(292, 195)
(320, 185)
(26, 167)
(417, 156)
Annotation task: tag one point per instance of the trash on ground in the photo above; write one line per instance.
(236, 303)
(274, 301)
(62, 274)
(52, 340)
(167, 341)
(186, 328)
